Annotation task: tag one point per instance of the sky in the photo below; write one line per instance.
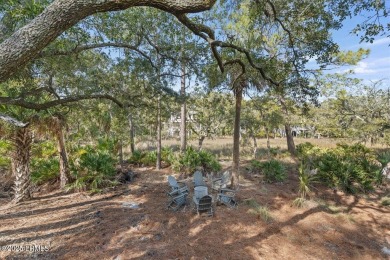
(377, 65)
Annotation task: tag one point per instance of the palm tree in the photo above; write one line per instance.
(238, 91)
(20, 163)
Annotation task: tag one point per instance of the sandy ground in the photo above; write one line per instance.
(332, 225)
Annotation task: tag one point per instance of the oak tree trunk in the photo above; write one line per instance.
(200, 142)
(290, 140)
(268, 142)
(131, 127)
(21, 164)
(63, 156)
(121, 153)
(254, 145)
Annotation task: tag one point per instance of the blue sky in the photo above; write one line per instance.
(377, 65)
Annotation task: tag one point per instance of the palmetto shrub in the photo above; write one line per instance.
(351, 168)
(5, 149)
(254, 167)
(44, 170)
(44, 162)
(136, 157)
(191, 159)
(149, 158)
(274, 171)
(93, 169)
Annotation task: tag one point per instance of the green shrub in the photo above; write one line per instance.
(107, 144)
(209, 162)
(149, 158)
(93, 169)
(254, 167)
(44, 170)
(45, 149)
(352, 168)
(44, 162)
(304, 148)
(384, 158)
(136, 157)
(274, 151)
(308, 153)
(191, 159)
(274, 171)
(167, 155)
(5, 149)
(305, 181)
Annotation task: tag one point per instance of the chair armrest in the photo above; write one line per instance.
(222, 196)
(227, 190)
(179, 196)
(216, 179)
(173, 193)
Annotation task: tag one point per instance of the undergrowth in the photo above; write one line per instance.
(351, 168)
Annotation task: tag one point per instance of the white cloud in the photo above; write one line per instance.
(381, 41)
(363, 68)
(381, 62)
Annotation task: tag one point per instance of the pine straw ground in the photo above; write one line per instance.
(332, 225)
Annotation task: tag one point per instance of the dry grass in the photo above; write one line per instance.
(222, 147)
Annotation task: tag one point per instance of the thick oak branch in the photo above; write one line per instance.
(207, 34)
(49, 104)
(25, 44)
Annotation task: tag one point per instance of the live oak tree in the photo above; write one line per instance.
(360, 112)
(280, 47)
(22, 45)
(25, 44)
(212, 112)
(261, 112)
(72, 88)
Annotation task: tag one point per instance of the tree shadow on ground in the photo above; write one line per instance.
(103, 227)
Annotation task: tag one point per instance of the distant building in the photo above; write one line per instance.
(173, 125)
(299, 131)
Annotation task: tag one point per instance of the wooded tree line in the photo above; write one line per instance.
(76, 70)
